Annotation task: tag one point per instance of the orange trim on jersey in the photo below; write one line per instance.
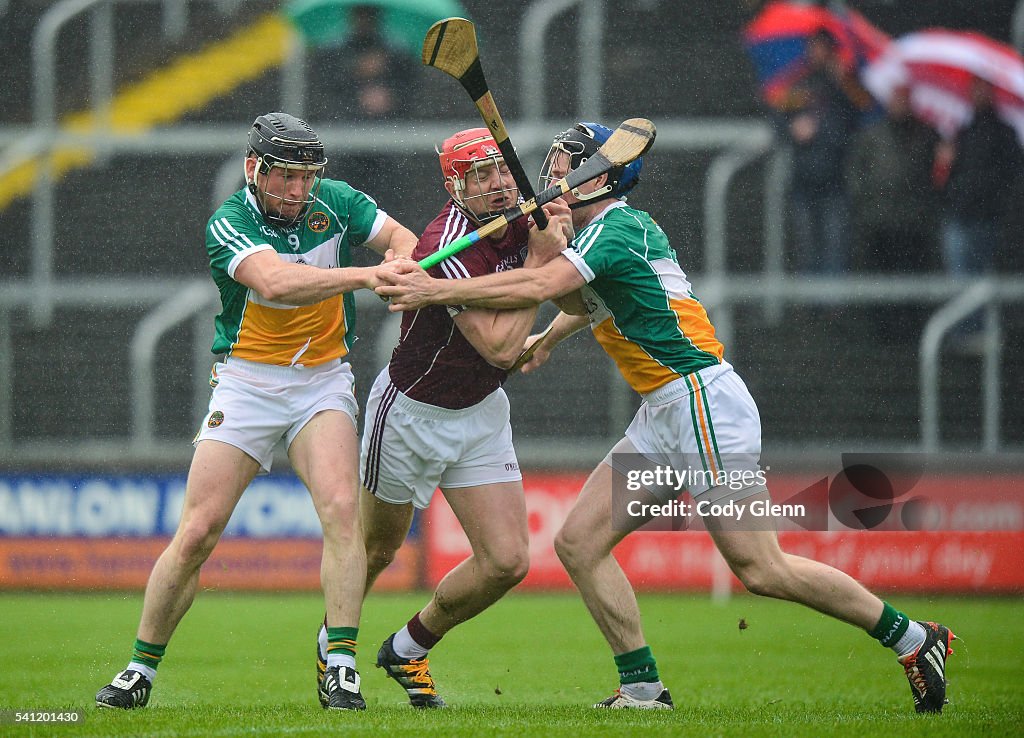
(271, 335)
(705, 437)
(695, 325)
(640, 369)
(642, 372)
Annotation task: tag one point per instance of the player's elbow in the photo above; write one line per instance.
(504, 358)
(268, 283)
(499, 354)
(571, 304)
(271, 292)
(277, 288)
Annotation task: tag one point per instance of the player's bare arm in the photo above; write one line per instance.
(299, 284)
(497, 335)
(539, 286)
(411, 288)
(572, 303)
(394, 237)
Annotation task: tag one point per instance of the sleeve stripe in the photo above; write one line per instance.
(447, 228)
(215, 229)
(588, 237)
(242, 236)
(378, 224)
(226, 235)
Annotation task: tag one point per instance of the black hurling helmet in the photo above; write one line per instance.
(580, 143)
(284, 141)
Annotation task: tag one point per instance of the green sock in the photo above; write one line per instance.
(891, 627)
(148, 654)
(637, 666)
(342, 640)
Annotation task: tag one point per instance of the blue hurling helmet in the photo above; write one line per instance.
(580, 143)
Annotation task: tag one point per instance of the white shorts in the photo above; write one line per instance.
(410, 448)
(705, 426)
(253, 406)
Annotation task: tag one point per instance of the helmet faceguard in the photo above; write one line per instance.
(579, 143)
(282, 141)
(467, 157)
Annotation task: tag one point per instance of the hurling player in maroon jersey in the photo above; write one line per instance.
(437, 416)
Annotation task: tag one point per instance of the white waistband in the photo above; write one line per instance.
(275, 371)
(433, 412)
(681, 387)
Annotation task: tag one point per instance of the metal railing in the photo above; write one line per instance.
(198, 297)
(170, 302)
(986, 294)
(736, 144)
(166, 303)
(534, 61)
(741, 141)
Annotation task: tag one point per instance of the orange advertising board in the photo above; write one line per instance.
(913, 561)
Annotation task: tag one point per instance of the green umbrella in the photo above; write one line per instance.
(404, 22)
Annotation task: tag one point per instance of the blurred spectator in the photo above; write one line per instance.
(889, 180)
(366, 80)
(825, 110)
(982, 163)
(979, 171)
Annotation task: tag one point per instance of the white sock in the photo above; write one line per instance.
(911, 640)
(321, 638)
(407, 648)
(642, 690)
(147, 671)
(340, 659)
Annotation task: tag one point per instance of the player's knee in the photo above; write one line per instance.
(339, 514)
(196, 540)
(379, 554)
(572, 550)
(760, 578)
(506, 569)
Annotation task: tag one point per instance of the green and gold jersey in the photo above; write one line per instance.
(250, 327)
(641, 308)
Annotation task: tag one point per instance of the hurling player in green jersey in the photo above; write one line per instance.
(621, 276)
(279, 254)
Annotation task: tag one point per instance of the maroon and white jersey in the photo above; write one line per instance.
(433, 362)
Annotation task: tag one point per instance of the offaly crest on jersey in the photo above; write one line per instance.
(318, 221)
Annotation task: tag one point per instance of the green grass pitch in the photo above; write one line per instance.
(242, 664)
